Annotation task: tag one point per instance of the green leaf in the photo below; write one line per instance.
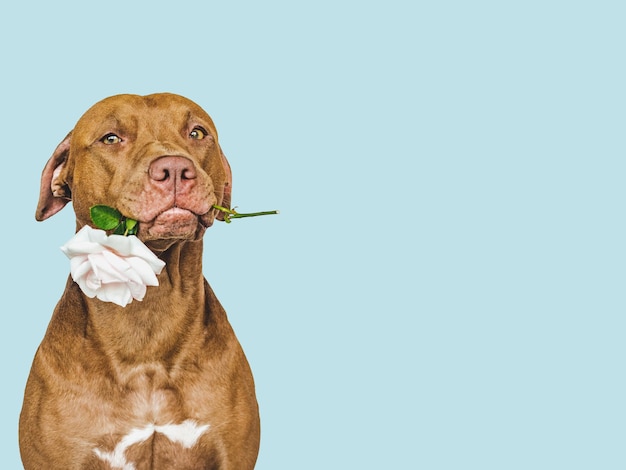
(131, 226)
(119, 230)
(105, 217)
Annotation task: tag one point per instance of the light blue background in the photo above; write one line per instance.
(444, 287)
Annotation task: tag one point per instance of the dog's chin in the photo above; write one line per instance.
(173, 224)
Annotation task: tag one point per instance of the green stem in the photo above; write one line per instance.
(237, 215)
(233, 214)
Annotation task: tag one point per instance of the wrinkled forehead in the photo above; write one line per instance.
(162, 110)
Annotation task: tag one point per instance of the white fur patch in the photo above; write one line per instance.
(186, 433)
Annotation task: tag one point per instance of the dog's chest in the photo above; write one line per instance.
(154, 404)
(154, 427)
(157, 446)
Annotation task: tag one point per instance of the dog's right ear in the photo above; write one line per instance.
(54, 193)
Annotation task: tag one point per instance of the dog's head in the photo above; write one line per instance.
(154, 158)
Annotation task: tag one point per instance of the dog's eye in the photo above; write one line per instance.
(198, 133)
(110, 139)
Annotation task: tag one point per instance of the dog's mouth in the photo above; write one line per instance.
(175, 223)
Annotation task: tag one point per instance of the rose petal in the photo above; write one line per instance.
(79, 266)
(110, 267)
(132, 246)
(144, 270)
(117, 292)
(138, 291)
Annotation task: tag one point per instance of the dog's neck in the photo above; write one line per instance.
(156, 328)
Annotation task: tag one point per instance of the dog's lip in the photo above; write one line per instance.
(172, 223)
(173, 211)
(204, 220)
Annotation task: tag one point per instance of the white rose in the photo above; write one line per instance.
(112, 268)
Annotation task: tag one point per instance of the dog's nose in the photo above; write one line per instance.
(173, 171)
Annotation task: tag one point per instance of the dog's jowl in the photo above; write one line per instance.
(162, 382)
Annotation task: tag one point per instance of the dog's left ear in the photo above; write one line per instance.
(54, 193)
(228, 186)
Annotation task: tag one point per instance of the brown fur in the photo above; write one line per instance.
(103, 370)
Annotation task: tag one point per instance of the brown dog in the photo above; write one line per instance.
(162, 383)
